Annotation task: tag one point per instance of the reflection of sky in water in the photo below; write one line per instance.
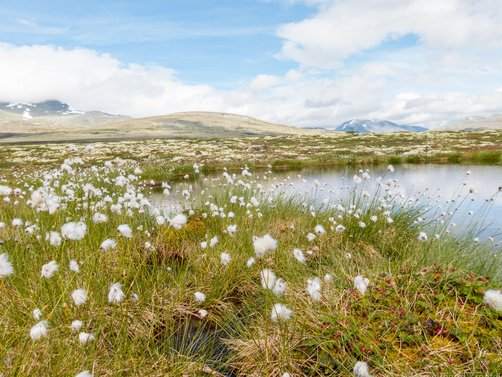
(439, 182)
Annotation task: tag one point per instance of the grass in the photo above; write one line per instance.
(423, 312)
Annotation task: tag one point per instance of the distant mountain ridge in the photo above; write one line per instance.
(474, 123)
(375, 126)
(44, 108)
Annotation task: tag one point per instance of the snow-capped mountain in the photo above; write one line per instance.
(45, 108)
(375, 126)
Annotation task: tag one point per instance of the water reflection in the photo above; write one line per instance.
(466, 190)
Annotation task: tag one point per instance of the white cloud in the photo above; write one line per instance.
(342, 28)
(88, 81)
(409, 87)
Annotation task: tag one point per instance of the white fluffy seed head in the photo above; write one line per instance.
(281, 312)
(263, 245)
(6, 267)
(178, 221)
(85, 337)
(314, 288)
(39, 330)
(268, 278)
(361, 283)
(493, 298)
(125, 230)
(361, 369)
(49, 269)
(199, 296)
(115, 294)
(79, 296)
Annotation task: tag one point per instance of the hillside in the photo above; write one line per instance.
(375, 126)
(492, 122)
(100, 126)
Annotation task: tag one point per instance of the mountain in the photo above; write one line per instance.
(375, 126)
(51, 112)
(94, 126)
(492, 122)
(45, 108)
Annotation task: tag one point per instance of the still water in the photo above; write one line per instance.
(471, 192)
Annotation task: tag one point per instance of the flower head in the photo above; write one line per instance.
(281, 312)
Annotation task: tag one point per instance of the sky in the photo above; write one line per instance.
(305, 63)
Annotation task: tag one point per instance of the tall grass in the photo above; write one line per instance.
(423, 312)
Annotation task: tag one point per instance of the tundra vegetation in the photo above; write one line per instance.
(240, 280)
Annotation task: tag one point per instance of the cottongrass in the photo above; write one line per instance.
(280, 312)
(263, 245)
(49, 269)
(85, 337)
(493, 298)
(125, 230)
(6, 268)
(361, 284)
(39, 330)
(74, 230)
(115, 294)
(79, 296)
(361, 369)
(199, 297)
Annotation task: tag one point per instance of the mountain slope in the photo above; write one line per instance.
(178, 125)
(492, 122)
(374, 126)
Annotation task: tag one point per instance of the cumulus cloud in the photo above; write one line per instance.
(89, 81)
(343, 28)
(452, 68)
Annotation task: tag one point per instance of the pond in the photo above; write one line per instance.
(469, 194)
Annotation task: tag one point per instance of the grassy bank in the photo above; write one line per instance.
(171, 159)
(198, 289)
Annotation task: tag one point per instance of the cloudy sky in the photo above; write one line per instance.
(299, 62)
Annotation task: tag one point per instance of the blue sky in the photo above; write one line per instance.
(220, 43)
(299, 62)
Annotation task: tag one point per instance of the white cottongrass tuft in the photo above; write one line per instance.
(85, 337)
(203, 313)
(178, 221)
(17, 222)
(99, 218)
(37, 313)
(199, 296)
(73, 230)
(6, 267)
(340, 228)
(319, 229)
(115, 294)
(74, 266)
(49, 269)
(361, 369)
(213, 241)
(264, 244)
(76, 325)
(79, 296)
(422, 236)
(268, 278)
(84, 373)
(108, 244)
(298, 254)
(314, 288)
(281, 312)
(279, 287)
(225, 259)
(493, 298)
(231, 229)
(250, 262)
(39, 330)
(311, 237)
(361, 283)
(55, 238)
(125, 230)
